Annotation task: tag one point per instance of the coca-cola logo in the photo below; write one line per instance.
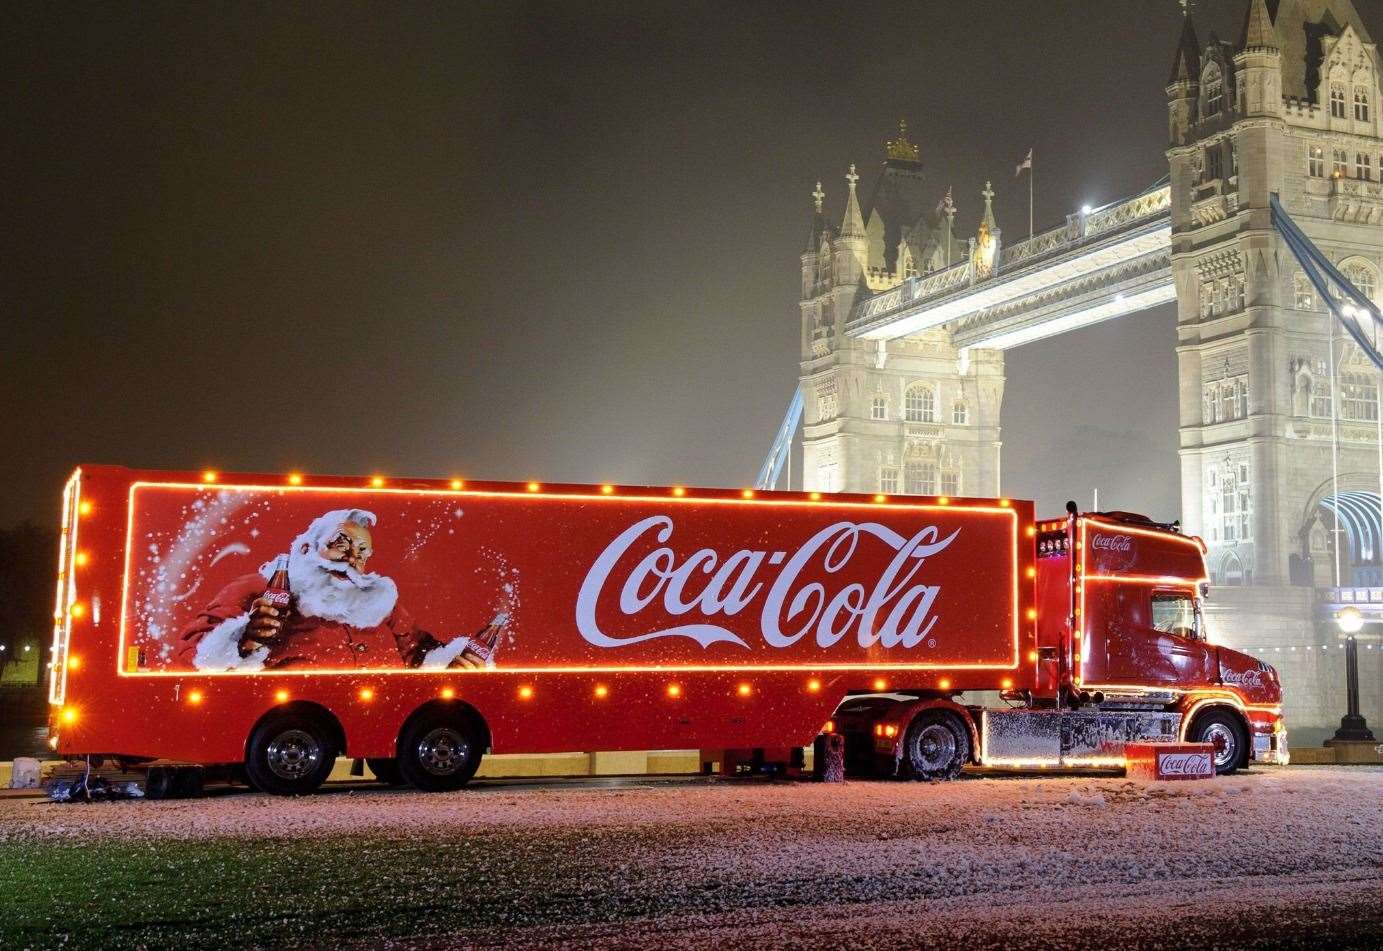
(1242, 678)
(1185, 764)
(1119, 543)
(897, 609)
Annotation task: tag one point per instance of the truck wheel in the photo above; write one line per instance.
(1224, 731)
(386, 771)
(290, 755)
(936, 746)
(439, 751)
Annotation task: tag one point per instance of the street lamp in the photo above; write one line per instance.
(1353, 726)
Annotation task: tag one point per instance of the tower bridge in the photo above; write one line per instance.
(905, 327)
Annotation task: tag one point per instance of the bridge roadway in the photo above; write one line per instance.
(1103, 263)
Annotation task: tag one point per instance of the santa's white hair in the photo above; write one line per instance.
(360, 599)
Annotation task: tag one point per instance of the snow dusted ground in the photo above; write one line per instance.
(1276, 857)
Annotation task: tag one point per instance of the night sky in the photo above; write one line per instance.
(521, 240)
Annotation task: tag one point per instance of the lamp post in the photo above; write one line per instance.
(1353, 726)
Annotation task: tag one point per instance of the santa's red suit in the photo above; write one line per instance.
(212, 641)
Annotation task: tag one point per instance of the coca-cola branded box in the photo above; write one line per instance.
(1159, 761)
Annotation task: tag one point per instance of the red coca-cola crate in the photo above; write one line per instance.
(1169, 761)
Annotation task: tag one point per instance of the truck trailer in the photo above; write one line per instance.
(267, 624)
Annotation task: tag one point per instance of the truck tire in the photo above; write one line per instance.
(290, 755)
(1223, 730)
(936, 746)
(439, 751)
(386, 771)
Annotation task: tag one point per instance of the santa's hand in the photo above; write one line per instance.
(265, 624)
(466, 661)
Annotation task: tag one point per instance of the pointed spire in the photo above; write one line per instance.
(1258, 28)
(818, 221)
(987, 222)
(853, 224)
(1187, 65)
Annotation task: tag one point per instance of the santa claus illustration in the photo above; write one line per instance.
(339, 617)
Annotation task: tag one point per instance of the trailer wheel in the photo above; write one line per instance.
(936, 746)
(290, 755)
(386, 771)
(1224, 731)
(439, 751)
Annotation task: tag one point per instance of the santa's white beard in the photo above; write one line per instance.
(359, 599)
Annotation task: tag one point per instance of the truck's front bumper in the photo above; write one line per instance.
(1271, 748)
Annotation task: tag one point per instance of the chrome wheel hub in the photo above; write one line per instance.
(1225, 742)
(443, 751)
(293, 754)
(934, 748)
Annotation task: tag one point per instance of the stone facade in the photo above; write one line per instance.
(1292, 109)
(916, 415)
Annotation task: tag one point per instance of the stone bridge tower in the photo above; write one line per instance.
(1291, 108)
(917, 415)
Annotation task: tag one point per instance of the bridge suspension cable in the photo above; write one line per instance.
(781, 450)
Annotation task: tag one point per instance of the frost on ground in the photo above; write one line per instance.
(1286, 856)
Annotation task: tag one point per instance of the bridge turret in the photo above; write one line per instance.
(1183, 88)
(851, 251)
(1259, 64)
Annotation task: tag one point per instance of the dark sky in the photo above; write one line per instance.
(523, 240)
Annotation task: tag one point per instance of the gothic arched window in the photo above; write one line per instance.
(919, 478)
(960, 414)
(1361, 103)
(1305, 291)
(919, 404)
(1363, 277)
(878, 407)
(1337, 101)
(1214, 91)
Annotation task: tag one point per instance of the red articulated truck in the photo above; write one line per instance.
(273, 623)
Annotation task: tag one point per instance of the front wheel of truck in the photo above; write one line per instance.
(1223, 731)
(936, 746)
(290, 755)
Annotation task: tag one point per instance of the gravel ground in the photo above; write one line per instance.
(1277, 857)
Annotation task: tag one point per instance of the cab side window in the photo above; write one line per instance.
(1175, 614)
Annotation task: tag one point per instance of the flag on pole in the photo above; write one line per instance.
(1027, 163)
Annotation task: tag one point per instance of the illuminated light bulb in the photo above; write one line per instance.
(210, 475)
(744, 690)
(194, 696)
(73, 663)
(80, 559)
(366, 694)
(457, 485)
(1032, 656)
(890, 730)
(1032, 614)
(747, 494)
(880, 683)
(944, 500)
(1006, 683)
(84, 508)
(525, 693)
(1086, 209)
(944, 683)
(813, 685)
(679, 491)
(448, 693)
(1031, 531)
(281, 696)
(830, 727)
(601, 691)
(1076, 634)
(816, 496)
(674, 691)
(534, 487)
(77, 610)
(1032, 572)
(880, 498)
(607, 489)
(1005, 502)
(295, 478)
(69, 714)
(377, 482)
(878, 729)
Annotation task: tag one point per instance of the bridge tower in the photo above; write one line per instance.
(1292, 108)
(912, 415)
